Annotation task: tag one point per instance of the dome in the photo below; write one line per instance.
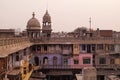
(33, 23)
(46, 17)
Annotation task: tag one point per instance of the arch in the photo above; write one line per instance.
(36, 59)
(55, 59)
(45, 60)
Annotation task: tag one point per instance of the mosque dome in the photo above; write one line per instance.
(33, 23)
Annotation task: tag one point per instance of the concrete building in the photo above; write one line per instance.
(89, 73)
(112, 77)
(7, 33)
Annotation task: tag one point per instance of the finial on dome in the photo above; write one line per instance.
(33, 14)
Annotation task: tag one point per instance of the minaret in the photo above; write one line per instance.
(46, 26)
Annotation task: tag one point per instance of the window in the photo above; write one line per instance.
(45, 60)
(33, 48)
(65, 61)
(38, 48)
(48, 34)
(45, 48)
(102, 61)
(91, 35)
(76, 61)
(54, 60)
(2, 65)
(100, 46)
(93, 47)
(112, 61)
(24, 52)
(17, 56)
(83, 47)
(112, 47)
(86, 61)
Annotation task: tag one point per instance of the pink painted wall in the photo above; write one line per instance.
(80, 57)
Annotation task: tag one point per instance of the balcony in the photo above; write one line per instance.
(68, 40)
(56, 66)
(12, 45)
(108, 72)
(67, 52)
(46, 52)
(64, 66)
(113, 66)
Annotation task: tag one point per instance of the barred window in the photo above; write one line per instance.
(86, 61)
(102, 61)
(76, 61)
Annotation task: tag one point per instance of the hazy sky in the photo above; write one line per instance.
(66, 14)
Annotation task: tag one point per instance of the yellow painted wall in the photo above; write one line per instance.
(117, 61)
(25, 64)
(76, 48)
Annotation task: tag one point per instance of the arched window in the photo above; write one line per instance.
(36, 59)
(54, 60)
(45, 60)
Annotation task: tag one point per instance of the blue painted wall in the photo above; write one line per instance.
(50, 58)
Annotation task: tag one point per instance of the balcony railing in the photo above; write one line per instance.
(64, 66)
(51, 51)
(79, 66)
(113, 66)
(17, 41)
(11, 41)
(80, 39)
(11, 45)
(108, 72)
(67, 51)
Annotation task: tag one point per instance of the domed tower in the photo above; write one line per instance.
(33, 27)
(46, 27)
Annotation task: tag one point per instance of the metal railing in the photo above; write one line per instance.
(108, 72)
(64, 66)
(113, 66)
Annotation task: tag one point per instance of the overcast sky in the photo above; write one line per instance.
(66, 14)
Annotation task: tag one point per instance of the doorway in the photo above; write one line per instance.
(54, 60)
(36, 59)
